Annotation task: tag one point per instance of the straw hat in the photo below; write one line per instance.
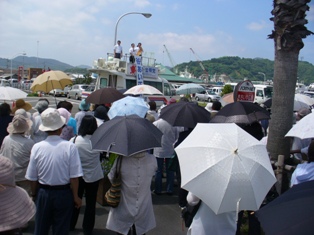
(51, 120)
(20, 124)
(21, 104)
(17, 208)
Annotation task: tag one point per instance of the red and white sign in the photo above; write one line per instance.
(244, 91)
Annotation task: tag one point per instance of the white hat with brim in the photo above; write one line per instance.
(19, 124)
(51, 120)
(208, 107)
(17, 208)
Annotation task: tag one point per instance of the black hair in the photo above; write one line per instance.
(65, 104)
(88, 125)
(216, 105)
(254, 129)
(44, 99)
(152, 105)
(183, 99)
(5, 109)
(310, 153)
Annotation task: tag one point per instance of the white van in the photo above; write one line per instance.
(4, 82)
(216, 89)
(14, 82)
(263, 93)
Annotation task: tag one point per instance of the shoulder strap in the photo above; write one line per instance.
(74, 139)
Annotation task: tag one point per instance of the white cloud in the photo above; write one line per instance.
(206, 46)
(256, 26)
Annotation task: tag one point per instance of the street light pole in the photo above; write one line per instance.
(147, 15)
(13, 58)
(263, 75)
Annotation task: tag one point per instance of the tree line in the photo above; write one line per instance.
(239, 68)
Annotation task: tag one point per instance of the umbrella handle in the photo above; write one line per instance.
(109, 147)
(238, 207)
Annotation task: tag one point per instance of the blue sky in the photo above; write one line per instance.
(80, 31)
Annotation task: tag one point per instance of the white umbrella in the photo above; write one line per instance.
(189, 88)
(127, 106)
(304, 128)
(304, 98)
(10, 93)
(143, 90)
(227, 168)
(297, 105)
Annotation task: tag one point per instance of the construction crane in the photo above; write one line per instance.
(170, 58)
(205, 75)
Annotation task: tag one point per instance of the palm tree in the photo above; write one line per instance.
(289, 30)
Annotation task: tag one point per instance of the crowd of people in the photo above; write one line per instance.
(52, 162)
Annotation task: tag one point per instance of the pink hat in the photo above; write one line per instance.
(172, 101)
(64, 113)
(17, 208)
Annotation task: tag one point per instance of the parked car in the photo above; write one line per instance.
(216, 89)
(14, 82)
(76, 91)
(26, 84)
(87, 91)
(4, 82)
(207, 95)
(57, 92)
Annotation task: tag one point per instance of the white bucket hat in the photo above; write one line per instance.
(19, 124)
(51, 120)
(208, 107)
(17, 208)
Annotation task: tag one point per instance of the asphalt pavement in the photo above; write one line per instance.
(166, 208)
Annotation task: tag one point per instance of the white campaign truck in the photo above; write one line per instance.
(263, 93)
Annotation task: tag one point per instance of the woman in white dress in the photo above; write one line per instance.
(206, 222)
(135, 209)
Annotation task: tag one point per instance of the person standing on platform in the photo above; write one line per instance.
(132, 53)
(139, 49)
(118, 51)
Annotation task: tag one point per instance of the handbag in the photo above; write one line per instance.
(112, 196)
(188, 213)
(173, 163)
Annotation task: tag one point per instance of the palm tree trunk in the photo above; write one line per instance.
(285, 77)
(289, 20)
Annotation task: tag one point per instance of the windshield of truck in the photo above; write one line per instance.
(103, 83)
(268, 92)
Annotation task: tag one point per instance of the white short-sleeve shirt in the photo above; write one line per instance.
(54, 161)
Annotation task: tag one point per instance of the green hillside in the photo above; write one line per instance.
(239, 68)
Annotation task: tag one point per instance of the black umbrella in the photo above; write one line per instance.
(104, 96)
(240, 113)
(292, 213)
(268, 102)
(186, 114)
(126, 135)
